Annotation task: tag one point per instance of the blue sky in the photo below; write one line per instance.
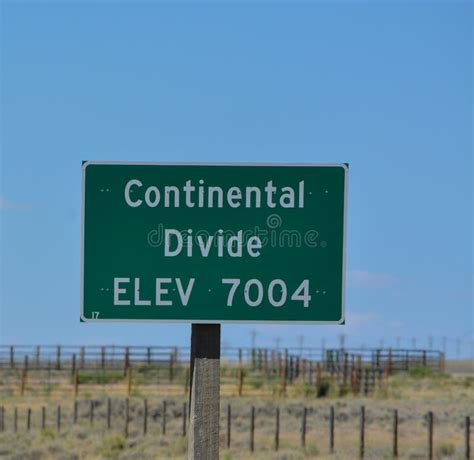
(384, 86)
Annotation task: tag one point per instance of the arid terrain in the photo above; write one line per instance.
(450, 397)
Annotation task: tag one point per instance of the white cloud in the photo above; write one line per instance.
(365, 278)
(7, 204)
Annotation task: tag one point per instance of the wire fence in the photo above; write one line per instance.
(261, 425)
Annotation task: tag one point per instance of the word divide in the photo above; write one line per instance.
(213, 242)
(174, 242)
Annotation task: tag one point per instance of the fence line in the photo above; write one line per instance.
(9, 422)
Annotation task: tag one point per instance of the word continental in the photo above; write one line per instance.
(190, 195)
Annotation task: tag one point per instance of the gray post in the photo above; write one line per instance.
(145, 416)
(127, 416)
(430, 435)
(58, 357)
(74, 413)
(362, 432)
(468, 437)
(185, 416)
(252, 429)
(277, 429)
(203, 439)
(163, 425)
(109, 413)
(43, 418)
(229, 421)
(91, 411)
(58, 418)
(303, 427)
(331, 430)
(395, 433)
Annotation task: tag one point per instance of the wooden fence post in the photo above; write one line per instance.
(58, 418)
(203, 437)
(12, 357)
(74, 413)
(126, 360)
(430, 435)
(43, 417)
(252, 429)
(171, 364)
(2, 418)
(82, 354)
(91, 411)
(127, 412)
(109, 413)
(362, 432)
(241, 381)
(318, 378)
(58, 357)
(129, 381)
(229, 424)
(185, 417)
(102, 358)
(366, 381)
(73, 364)
(28, 419)
(395, 433)
(145, 416)
(37, 357)
(76, 383)
(277, 429)
(284, 382)
(303, 427)
(186, 382)
(176, 355)
(467, 437)
(163, 426)
(15, 419)
(24, 376)
(331, 429)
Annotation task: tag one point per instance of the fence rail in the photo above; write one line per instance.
(116, 357)
(360, 371)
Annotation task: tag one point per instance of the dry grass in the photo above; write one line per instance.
(451, 398)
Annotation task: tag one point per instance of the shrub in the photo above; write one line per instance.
(445, 450)
(256, 383)
(426, 372)
(103, 378)
(323, 389)
(112, 446)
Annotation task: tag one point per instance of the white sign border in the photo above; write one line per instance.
(201, 321)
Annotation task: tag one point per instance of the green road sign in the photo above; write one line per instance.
(213, 242)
